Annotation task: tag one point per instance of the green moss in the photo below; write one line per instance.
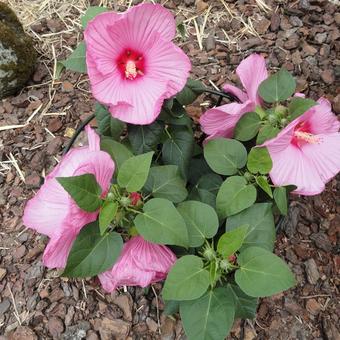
(13, 38)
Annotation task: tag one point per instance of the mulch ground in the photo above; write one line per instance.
(35, 303)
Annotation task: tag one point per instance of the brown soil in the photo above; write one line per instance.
(35, 303)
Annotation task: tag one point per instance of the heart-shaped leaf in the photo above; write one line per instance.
(234, 196)
(91, 253)
(161, 223)
(187, 279)
(262, 273)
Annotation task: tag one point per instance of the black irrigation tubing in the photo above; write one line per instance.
(88, 119)
(77, 132)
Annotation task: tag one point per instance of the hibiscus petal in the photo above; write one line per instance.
(252, 71)
(222, 120)
(47, 210)
(168, 63)
(93, 139)
(152, 17)
(323, 120)
(140, 264)
(100, 45)
(291, 166)
(242, 96)
(58, 249)
(324, 156)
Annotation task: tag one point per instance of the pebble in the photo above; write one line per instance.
(55, 125)
(321, 241)
(320, 38)
(19, 252)
(312, 272)
(275, 22)
(4, 306)
(210, 43)
(23, 333)
(249, 43)
(313, 306)
(67, 86)
(3, 272)
(327, 76)
(309, 50)
(54, 145)
(296, 21)
(76, 332)
(152, 325)
(55, 326)
(125, 303)
(33, 181)
(109, 328)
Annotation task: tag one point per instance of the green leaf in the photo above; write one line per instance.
(134, 172)
(278, 87)
(76, 61)
(91, 253)
(262, 273)
(298, 106)
(187, 279)
(91, 13)
(234, 196)
(266, 132)
(178, 149)
(84, 189)
(171, 119)
(197, 168)
(118, 152)
(107, 125)
(261, 231)
(161, 223)
(144, 138)
(106, 215)
(201, 220)
(264, 185)
(209, 317)
(171, 307)
(245, 306)
(280, 198)
(259, 161)
(206, 189)
(165, 182)
(231, 241)
(190, 92)
(225, 156)
(247, 127)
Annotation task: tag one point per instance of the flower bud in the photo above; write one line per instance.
(272, 119)
(280, 110)
(125, 201)
(110, 196)
(248, 176)
(209, 253)
(224, 265)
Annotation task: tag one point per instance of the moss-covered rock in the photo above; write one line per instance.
(17, 54)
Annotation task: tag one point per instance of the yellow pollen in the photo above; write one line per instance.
(307, 137)
(130, 70)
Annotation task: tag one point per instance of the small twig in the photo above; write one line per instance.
(157, 309)
(16, 313)
(314, 296)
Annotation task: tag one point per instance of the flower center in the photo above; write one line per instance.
(307, 137)
(131, 64)
(302, 135)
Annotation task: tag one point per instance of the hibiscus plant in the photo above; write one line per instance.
(149, 199)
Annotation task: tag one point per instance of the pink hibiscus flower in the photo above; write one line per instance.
(133, 64)
(54, 213)
(306, 153)
(220, 121)
(140, 264)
